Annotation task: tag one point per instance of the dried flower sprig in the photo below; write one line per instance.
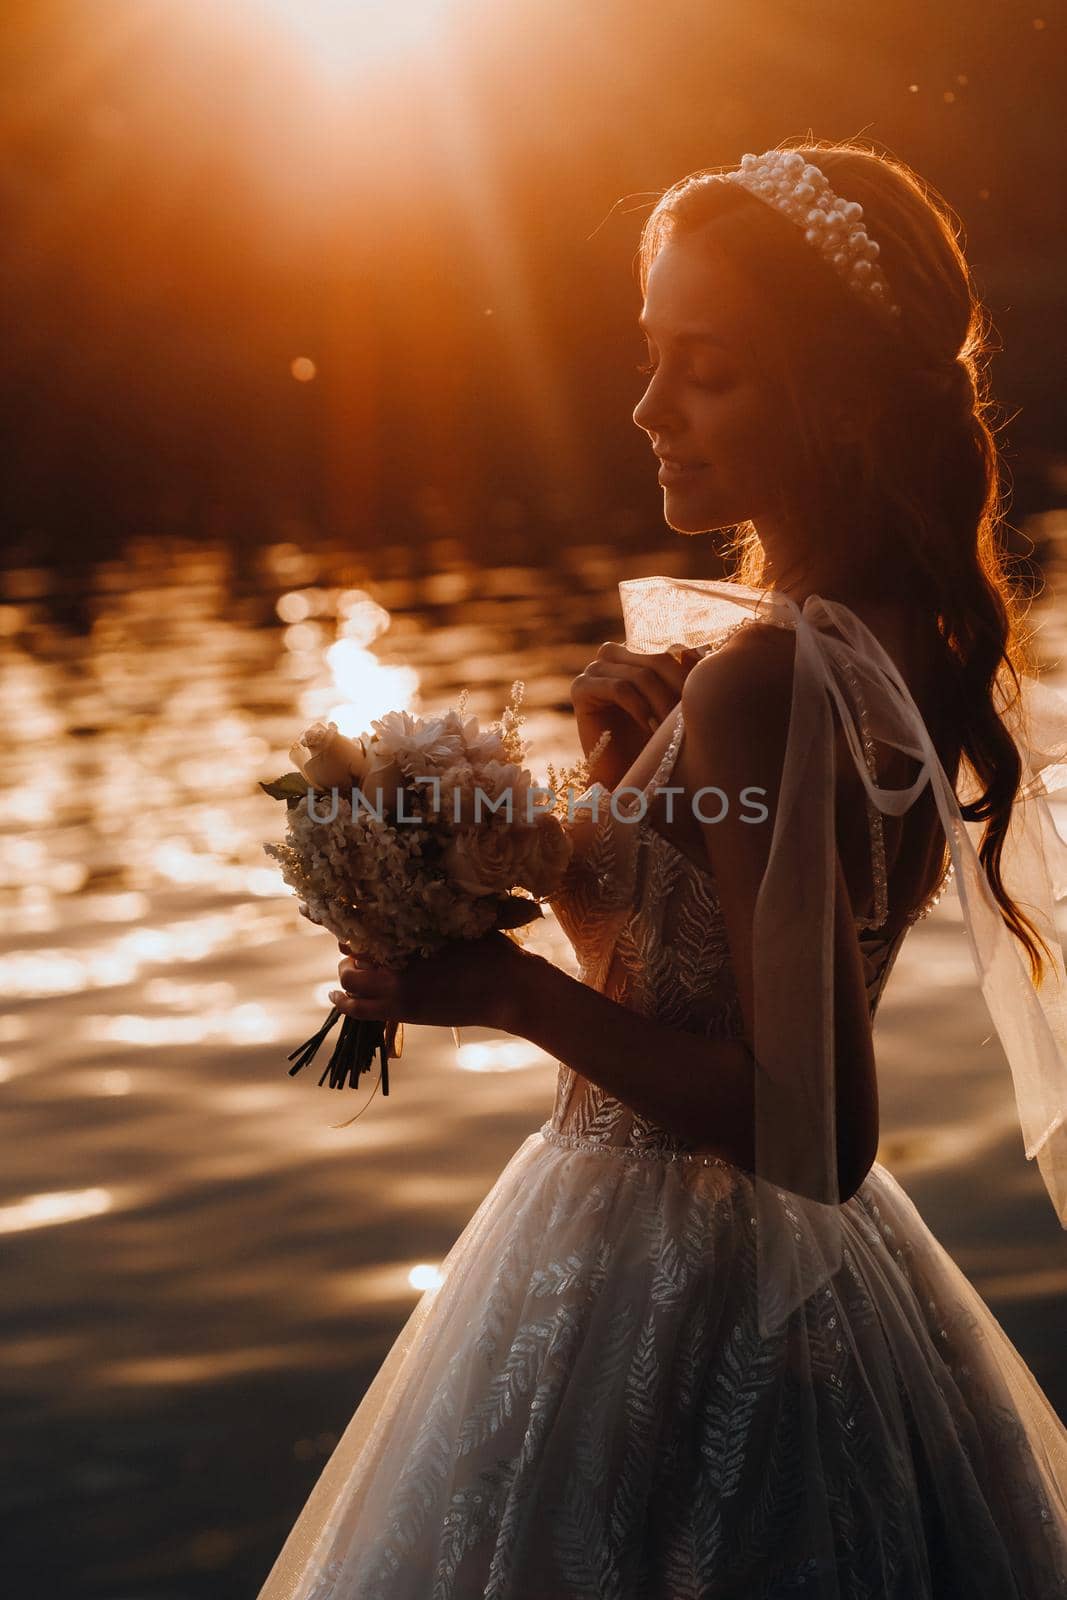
(511, 723)
(569, 782)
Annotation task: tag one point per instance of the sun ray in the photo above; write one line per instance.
(548, 409)
(340, 36)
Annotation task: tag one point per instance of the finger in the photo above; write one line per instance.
(360, 963)
(364, 1008)
(610, 694)
(661, 689)
(628, 698)
(665, 664)
(362, 986)
(635, 688)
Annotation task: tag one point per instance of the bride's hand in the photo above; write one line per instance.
(630, 694)
(465, 984)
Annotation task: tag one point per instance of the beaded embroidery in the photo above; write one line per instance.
(881, 882)
(574, 1141)
(874, 816)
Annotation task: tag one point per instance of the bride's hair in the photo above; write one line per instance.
(920, 475)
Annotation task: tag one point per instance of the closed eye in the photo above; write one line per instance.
(715, 385)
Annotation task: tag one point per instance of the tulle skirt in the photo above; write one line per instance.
(584, 1408)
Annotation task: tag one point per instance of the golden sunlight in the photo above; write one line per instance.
(341, 35)
(43, 1210)
(370, 687)
(499, 1055)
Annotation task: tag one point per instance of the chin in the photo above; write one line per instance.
(695, 514)
(684, 519)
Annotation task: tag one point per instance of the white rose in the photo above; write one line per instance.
(380, 783)
(483, 860)
(327, 758)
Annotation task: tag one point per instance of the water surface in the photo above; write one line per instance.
(203, 1274)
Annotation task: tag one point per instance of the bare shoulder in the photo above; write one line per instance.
(744, 686)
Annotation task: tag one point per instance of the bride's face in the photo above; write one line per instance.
(708, 404)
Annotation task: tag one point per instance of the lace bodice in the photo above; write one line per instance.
(647, 930)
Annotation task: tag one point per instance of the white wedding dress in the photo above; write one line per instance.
(585, 1409)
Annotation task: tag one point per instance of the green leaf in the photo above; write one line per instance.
(291, 786)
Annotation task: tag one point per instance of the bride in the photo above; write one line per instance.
(696, 1342)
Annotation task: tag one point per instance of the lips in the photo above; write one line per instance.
(672, 470)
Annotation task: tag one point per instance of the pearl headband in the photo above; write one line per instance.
(803, 194)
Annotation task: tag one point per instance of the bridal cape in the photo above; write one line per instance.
(649, 1375)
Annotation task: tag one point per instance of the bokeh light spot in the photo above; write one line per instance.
(425, 1277)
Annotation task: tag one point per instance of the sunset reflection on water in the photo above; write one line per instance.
(208, 1271)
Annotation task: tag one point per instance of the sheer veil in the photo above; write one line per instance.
(797, 1201)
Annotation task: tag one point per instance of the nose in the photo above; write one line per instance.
(649, 410)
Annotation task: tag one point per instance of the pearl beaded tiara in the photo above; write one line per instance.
(801, 192)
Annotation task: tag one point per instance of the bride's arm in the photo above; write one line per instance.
(698, 1088)
(736, 709)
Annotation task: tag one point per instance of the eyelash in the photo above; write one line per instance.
(648, 367)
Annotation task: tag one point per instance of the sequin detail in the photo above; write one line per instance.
(573, 1141)
(874, 816)
(879, 874)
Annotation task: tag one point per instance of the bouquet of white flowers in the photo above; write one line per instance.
(425, 830)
